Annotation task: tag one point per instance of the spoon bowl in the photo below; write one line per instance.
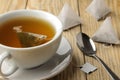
(87, 46)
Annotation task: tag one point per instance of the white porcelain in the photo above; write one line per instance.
(54, 66)
(33, 56)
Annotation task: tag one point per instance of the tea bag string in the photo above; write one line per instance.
(17, 28)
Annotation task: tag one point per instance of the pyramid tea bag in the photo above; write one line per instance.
(28, 39)
(106, 33)
(68, 17)
(98, 9)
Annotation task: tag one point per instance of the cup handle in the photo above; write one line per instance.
(3, 56)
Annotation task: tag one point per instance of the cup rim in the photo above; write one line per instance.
(57, 34)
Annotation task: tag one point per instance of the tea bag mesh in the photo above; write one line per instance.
(106, 33)
(68, 17)
(28, 39)
(98, 9)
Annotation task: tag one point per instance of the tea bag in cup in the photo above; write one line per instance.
(68, 17)
(98, 9)
(28, 39)
(106, 33)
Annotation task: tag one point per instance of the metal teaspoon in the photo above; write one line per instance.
(87, 46)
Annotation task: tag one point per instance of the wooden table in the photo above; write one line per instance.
(110, 54)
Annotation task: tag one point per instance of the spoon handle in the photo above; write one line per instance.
(110, 72)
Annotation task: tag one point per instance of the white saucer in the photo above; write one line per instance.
(53, 67)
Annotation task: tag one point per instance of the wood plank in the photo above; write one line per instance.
(109, 54)
(88, 27)
(45, 5)
(4, 8)
(54, 7)
(114, 60)
(8, 5)
(17, 4)
(71, 73)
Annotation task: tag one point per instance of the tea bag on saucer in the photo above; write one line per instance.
(28, 39)
(68, 17)
(106, 33)
(98, 9)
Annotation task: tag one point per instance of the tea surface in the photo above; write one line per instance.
(9, 37)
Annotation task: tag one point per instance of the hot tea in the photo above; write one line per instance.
(9, 37)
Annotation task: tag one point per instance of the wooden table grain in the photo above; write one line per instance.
(109, 54)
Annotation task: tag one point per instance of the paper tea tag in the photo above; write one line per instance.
(88, 68)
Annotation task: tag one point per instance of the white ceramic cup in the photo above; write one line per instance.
(32, 56)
